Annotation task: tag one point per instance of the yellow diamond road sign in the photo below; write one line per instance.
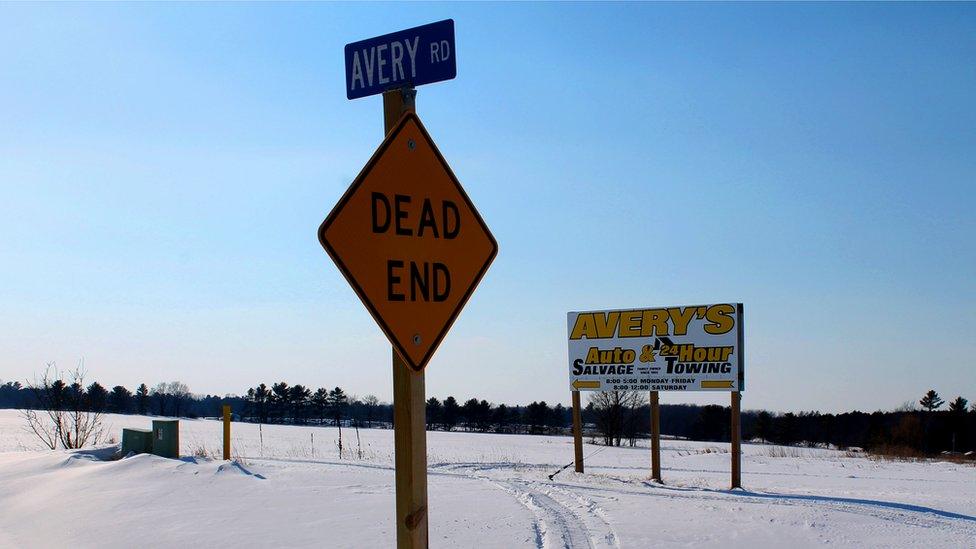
(409, 241)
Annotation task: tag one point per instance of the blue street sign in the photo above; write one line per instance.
(412, 57)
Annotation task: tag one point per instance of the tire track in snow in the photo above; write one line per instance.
(593, 514)
(559, 522)
(562, 518)
(904, 515)
(557, 526)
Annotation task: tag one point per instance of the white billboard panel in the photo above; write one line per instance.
(688, 348)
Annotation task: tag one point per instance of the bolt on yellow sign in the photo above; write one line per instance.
(691, 348)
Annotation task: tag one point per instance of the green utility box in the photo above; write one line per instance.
(138, 441)
(166, 438)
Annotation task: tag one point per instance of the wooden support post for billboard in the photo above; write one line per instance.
(409, 405)
(226, 431)
(736, 442)
(655, 438)
(577, 433)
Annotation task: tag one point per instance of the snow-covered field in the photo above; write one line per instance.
(293, 490)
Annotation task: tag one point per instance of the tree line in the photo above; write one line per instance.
(298, 404)
(612, 418)
(163, 399)
(913, 430)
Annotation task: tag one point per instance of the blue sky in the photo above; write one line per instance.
(164, 169)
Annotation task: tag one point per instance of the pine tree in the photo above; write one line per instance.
(957, 409)
(261, 398)
(451, 412)
(558, 418)
(320, 403)
(537, 416)
(97, 397)
(249, 403)
(484, 416)
(142, 399)
(931, 400)
(501, 418)
(959, 405)
(279, 399)
(299, 395)
(337, 401)
(764, 425)
(469, 413)
(434, 410)
(120, 400)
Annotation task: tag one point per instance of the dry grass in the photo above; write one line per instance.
(700, 451)
(784, 452)
(958, 459)
(892, 452)
(236, 455)
(202, 451)
(904, 453)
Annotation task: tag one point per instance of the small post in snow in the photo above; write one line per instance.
(736, 442)
(226, 431)
(655, 438)
(577, 433)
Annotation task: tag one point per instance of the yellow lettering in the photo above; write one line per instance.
(606, 326)
(680, 318)
(593, 356)
(720, 318)
(630, 323)
(655, 322)
(584, 327)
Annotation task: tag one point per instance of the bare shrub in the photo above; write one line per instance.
(237, 456)
(63, 414)
(616, 414)
(170, 398)
(202, 451)
(49, 434)
(785, 452)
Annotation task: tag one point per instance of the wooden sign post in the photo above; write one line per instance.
(226, 431)
(655, 438)
(736, 441)
(577, 433)
(409, 402)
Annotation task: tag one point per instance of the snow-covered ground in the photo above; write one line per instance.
(291, 489)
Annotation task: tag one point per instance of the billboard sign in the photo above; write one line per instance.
(687, 348)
